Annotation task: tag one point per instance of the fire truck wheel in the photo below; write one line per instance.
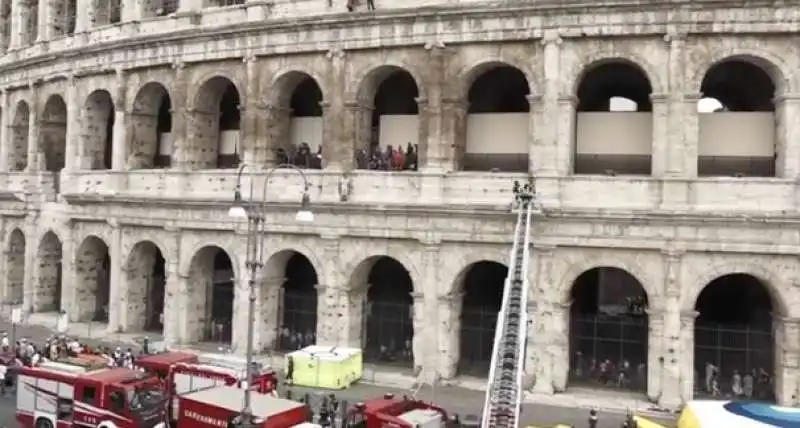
(43, 423)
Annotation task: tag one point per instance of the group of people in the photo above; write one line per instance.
(389, 158)
(754, 384)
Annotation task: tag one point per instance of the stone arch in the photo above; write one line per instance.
(276, 260)
(15, 268)
(211, 295)
(469, 259)
(297, 98)
(145, 272)
(359, 266)
(768, 279)
(93, 286)
(53, 133)
(186, 262)
(774, 65)
(576, 269)
(150, 145)
(482, 284)
(467, 76)
(98, 130)
(18, 151)
(598, 58)
(388, 109)
(47, 289)
(296, 278)
(215, 123)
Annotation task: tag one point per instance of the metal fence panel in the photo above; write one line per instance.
(609, 351)
(388, 331)
(298, 317)
(477, 340)
(734, 361)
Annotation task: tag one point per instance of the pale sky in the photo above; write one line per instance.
(705, 105)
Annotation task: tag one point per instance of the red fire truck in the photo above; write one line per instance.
(396, 412)
(79, 392)
(186, 373)
(218, 407)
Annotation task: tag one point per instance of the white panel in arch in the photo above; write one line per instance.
(498, 133)
(398, 130)
(615, 133)
(229, 142)
(165, 145)
(737, 134)
(306, 130)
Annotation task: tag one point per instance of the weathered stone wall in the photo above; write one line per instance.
(91, 286)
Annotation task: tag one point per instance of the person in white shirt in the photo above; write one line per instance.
(4, 342)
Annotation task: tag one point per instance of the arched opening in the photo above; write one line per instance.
(31, 25)
(18, 151)
(159, 8)
(614, 120)
(211, 276)
(608, 330)
(47, 283)
(98, 135)
(483, 284)
(93, 285)
(15, 268)
(298, 311)
(151, 128)
(214, 131)
(64, 12)
(53, 133)
(298, 133)
(738, 139)
(734, 344)
(107, 12)
(146, 276)
(388, 137)
(388, 328)
(498, 106)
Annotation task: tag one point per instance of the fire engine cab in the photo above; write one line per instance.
(397, 413)
(219, 407)
(79, 392)
(186, 373)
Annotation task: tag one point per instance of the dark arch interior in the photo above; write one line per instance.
(103, 289)
(739, 86)
(608, 330)
(483, 287)
(306, 99)
(396, 94)
(389, 325)
(155, 292)
(502, 89)
(229, 108)
(222, 296)
(614, 79)
(163, 126)
(734, 338)
(299, 311)
(109, 149)
(55, 114)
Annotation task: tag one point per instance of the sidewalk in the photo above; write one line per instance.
(388, 377)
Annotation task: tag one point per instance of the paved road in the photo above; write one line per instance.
(455, 400)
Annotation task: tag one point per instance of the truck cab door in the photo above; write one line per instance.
(87, 397)
(117, 400)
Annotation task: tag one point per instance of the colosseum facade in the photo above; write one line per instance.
(662, 138)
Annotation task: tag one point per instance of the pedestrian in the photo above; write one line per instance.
(593, 418)
(370, 4)
(289, 370)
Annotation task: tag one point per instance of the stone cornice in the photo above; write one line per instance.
(531, 21)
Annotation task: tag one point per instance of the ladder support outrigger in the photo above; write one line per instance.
(504, 389)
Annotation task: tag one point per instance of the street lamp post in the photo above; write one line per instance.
(255, 213)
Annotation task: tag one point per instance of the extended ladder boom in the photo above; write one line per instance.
(504, 389)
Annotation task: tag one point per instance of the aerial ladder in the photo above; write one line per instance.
(504, 392)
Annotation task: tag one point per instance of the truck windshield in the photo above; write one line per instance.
(145, 398)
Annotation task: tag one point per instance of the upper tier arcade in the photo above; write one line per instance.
(607, 106)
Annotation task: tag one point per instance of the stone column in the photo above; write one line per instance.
(360, 116)
(546, 342)
(663, 160)
(436, 133)
(119, 155)
(449, 334)
(685, 357)
(668, 354)
(86, 14)
(271, 310)
(454, 118)
(787, 360)
(655, 355)
(677, 128)
(422, 333)
(544, 105)
(118, 296)
(45, 21)
(19, 24)
(176, 305)
(72, 156)
(787, 115)
(33, 129)
(179, 117)
(337, 128)
(5, 122)
(566, 142)
(252, 154)
(690, 124)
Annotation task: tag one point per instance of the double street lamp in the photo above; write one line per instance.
(255, 214)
